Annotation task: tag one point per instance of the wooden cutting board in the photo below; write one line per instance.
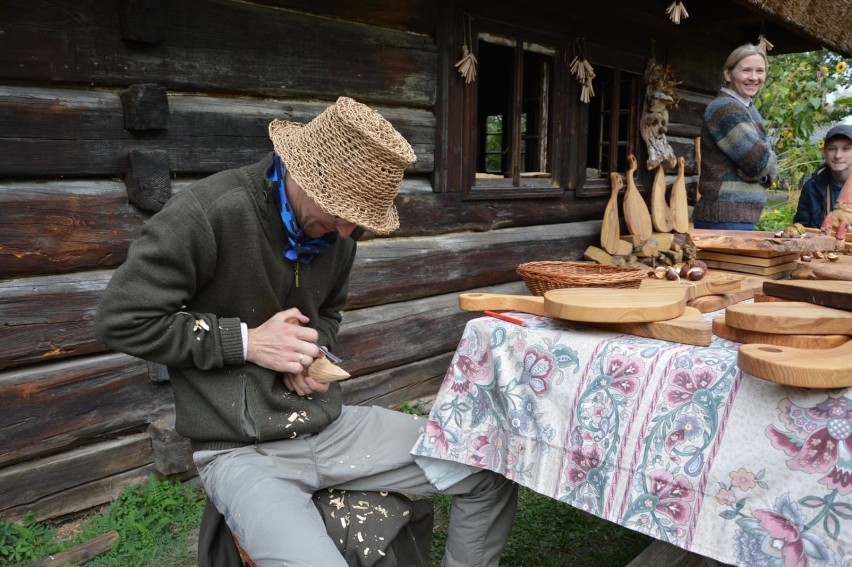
(760, 243)
(828, 293)
(751, 269)
(711, 283)
(832, 272)
(679, 205)
(750, 260)
(636, 213)
(720, 329)
(689, 328)
(661, 214)
(791, 318)
(714, 302)
(613, 305)
(803, 368)
(610, 227)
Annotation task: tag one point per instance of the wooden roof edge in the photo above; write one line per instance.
(826, 22)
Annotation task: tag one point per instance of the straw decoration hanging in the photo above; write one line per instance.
(467, 64)
(583, 71)
(677, 12)
(762, 42)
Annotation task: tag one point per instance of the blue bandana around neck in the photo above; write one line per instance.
(300, 248)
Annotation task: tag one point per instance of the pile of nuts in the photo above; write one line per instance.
(819, 255)
(693, 270)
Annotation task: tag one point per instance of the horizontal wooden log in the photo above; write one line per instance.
(47, 132)
(81, 498)
(27, 484)
(402, 269)
(82, 553)
(50, 317)
(418, 16)
(388, 336)
(52, 407)
(64, 226)
(202, 51)
(394, 386)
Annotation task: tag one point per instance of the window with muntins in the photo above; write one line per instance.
(525, 133)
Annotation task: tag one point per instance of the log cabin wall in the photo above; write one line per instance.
(108, 106)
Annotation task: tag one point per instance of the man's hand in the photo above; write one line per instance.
(283, 344)
(303, 385)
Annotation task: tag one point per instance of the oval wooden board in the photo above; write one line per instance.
(804, 368)
(791, 318)
(636, 213)
(613, 305)
(838, 272)
(720, 329)
(689, 328)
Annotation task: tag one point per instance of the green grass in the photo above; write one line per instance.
(158, 521)
(548, 533)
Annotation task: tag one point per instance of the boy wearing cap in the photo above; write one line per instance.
(233, 285)
(820, 190)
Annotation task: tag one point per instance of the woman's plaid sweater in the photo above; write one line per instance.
(737, 162)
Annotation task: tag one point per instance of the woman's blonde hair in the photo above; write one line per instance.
(738, 55)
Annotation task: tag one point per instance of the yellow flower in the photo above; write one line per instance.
(823, 72)
(840, 67)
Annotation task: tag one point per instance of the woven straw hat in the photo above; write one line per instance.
(349, 159)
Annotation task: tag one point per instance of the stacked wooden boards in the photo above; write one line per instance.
(803, 341)
(755, 252)
(769, 264)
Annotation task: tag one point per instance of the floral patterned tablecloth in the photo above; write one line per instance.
(667, 439)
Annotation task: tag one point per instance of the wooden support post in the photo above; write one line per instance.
(172, 452)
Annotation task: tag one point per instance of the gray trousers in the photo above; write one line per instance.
(265, 493)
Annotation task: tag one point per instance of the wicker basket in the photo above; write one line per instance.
(544, 276)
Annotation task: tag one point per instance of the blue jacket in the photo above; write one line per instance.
(811, 208)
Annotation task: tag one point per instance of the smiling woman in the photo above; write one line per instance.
(737, 159)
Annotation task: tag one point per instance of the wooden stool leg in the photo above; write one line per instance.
(243, 554)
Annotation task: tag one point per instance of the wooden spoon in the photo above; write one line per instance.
(661, 214)
(610, 230)
(679, 206)
(801, 367)
(636, 213)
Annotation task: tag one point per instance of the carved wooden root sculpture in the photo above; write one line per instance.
(659, 96)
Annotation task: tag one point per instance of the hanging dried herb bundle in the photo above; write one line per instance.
(583, 71)
(467, 64)
(677, 12)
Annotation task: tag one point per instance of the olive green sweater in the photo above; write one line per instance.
(212, 258)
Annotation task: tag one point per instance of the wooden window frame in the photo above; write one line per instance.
(516, 186)
(457, 114)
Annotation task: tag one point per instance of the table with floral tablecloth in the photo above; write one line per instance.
(667, 439)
